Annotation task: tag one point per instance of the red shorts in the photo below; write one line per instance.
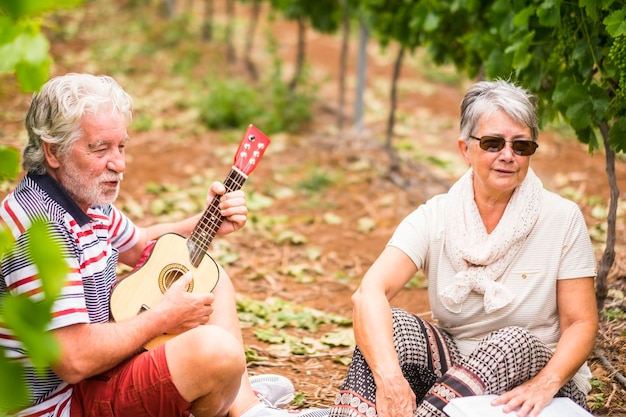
(141, 386)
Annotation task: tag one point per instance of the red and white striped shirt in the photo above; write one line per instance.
(90, 243)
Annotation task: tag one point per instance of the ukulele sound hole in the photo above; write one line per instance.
(170, 274)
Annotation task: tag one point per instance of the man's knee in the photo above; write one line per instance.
(216, 344)
(212, 350)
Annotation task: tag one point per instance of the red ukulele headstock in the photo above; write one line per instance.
(251, 149)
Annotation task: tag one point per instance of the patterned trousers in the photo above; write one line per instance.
(437, 373)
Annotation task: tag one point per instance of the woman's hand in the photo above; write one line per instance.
(530, 397)
(395, 398)
(579, 324)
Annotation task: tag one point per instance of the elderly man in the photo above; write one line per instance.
(75, 159)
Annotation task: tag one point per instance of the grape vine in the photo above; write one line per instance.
(617, 57)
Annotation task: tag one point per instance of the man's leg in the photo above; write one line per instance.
(199, 369)
(225, 316)
(246, 402)
(206, 365)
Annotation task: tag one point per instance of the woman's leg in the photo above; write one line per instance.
(424, 352)
(503, 360)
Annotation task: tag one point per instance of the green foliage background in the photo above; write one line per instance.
(570, 53)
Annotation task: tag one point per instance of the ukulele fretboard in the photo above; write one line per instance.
(211, 220)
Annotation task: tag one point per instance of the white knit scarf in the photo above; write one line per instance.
(479, 258)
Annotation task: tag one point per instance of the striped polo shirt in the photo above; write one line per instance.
(90, 244)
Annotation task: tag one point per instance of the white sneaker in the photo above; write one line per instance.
(262, 410)
(275, 391)
(305, 412)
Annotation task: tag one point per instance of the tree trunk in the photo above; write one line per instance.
(168, 8)
(254, 18)
(207, 27)
(297, 75)
(361, 77)
(394, 160)
(343, 62)
(608, 257)
(230, 15)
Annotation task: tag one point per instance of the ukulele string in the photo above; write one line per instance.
(211, 220)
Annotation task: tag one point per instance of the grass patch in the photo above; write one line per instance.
(235, 103)
(318, 179)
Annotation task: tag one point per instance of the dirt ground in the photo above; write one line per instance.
(428, 119)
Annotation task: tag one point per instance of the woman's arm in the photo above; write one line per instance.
(373, 330)
(579, 325)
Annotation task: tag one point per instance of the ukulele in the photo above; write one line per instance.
(172, 255)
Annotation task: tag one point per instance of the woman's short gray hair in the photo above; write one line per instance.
(55, 113)
(486, 97)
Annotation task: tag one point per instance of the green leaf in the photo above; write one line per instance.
(253, 356)
(332, 218)
(10, 56)
(617, 135)
(587, 135)
(28, 320)
(548, 13)
(343, 360)
(495, 64)
(9, 162)
(339, 337)
(8, 29)
(6, 238)
(521, 18)
(25, 8)
(34, 47)
(616, 23)
(365, 224)
(560, 91)
(291, 237)
(431, 22)
(578, 106)
(13, 391)
(257, 201)
(522, 57)
(47, 255)
(270, 336)
(579, 113)
(600, 101)
(590, 8)
(32, 76)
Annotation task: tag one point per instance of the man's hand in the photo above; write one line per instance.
(232, 207)
(184, 310)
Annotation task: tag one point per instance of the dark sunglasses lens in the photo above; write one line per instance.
(520, 147)
(491, 144)
(524, 147)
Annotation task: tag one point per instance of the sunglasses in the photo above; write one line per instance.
(496, 144)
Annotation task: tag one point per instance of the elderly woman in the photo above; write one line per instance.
(510, 271)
